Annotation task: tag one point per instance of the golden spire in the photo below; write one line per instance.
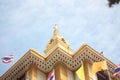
(57, 41)
(56, 32)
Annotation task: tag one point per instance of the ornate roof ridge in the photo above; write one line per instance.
(33, 52)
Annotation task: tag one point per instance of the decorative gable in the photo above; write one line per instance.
(45, 64)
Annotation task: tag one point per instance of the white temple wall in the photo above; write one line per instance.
(76, 77)
(27, 75)
(70, 75)
(41, 75)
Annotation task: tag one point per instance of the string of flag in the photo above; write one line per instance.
(8, 59)
(51, 75)
(116, 71)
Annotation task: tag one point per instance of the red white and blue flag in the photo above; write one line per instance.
(116, 71)
(8, 59)
(51, 76)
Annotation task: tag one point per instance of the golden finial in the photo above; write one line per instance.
(55, 26)
(56, 32)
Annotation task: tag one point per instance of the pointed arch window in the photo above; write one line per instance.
(102, 76)
(22, 77)
(51, 41)
(63, 40)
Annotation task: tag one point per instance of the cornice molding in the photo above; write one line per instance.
(46, 63)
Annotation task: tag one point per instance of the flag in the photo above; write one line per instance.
(51, 75)
(98, 66)
(8, 59)
(80, 73)
(116, 71)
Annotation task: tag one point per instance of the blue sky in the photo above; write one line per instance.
(26, 24)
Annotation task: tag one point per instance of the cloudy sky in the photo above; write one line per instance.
(26, 24)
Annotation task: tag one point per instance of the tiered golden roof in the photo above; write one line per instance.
(57, 41)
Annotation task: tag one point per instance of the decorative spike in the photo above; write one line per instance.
(56, 32)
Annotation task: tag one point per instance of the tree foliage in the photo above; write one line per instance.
(112, 2)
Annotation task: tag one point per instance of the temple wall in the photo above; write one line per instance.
(41, 75)
(70, 75)
(76, 77)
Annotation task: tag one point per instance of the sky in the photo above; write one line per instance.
(26, 24)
